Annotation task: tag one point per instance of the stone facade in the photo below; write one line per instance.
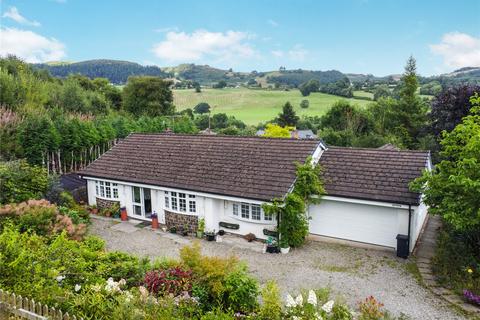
(103, 203)
(179, 220)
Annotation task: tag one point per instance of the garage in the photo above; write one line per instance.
(378, 225)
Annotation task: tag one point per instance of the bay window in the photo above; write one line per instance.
(177, 201)
(250, 211)
(105, 189)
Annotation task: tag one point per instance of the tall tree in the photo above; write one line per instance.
(201, 108)
(287, 117)
(148, 96)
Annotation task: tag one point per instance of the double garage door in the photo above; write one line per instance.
(356, 222)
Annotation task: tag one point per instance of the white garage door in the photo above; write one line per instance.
(357, 222)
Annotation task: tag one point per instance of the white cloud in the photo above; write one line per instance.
(181, 46)
(166, 29)
(277, 53)
(458, 50)
(298, 53)
(30, 46)
(273, 23)
(13, 14)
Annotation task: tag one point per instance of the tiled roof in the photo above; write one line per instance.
(248, 167)
(373, 174)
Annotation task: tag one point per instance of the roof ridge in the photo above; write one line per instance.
(215, 136)
(379, 150)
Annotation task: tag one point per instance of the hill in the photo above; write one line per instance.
(115, 70)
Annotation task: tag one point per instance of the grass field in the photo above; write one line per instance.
(254, 106)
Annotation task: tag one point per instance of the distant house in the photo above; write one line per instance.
(226, 179)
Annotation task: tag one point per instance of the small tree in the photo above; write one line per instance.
(304, 104)
(201, 108)
(287, 117)
(220, 84)
(275, 131)
(452, 188)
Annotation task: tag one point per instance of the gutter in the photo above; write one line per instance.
(409, 225)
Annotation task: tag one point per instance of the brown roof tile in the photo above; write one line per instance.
(373, 174)
(247, 167)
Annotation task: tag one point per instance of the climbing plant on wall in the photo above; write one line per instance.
(291, 211)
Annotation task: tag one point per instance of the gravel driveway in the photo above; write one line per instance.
(353, 273)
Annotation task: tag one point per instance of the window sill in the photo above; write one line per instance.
(181, 212)
(108, 199)
(263, 222)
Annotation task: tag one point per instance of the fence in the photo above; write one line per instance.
(18, 307)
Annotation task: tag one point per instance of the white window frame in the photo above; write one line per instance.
(106, 190)
(240, 211)
(180, 202)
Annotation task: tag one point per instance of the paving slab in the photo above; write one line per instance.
(126, 227)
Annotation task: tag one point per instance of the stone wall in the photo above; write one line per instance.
(180, 220)
(103, 203)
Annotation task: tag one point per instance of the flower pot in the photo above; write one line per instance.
(221, 232)
(272, 249)
(154, 223)
(210, 237)
(123, 214)
(285, 250)
(95, 210)
(108, 214)
(200, 234)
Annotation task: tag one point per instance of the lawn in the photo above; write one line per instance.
(254, 106)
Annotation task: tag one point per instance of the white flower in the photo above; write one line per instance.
(318, 316)
(290, 301)
(77, 287)
(96, 288)
(295, 318)
(327, 307)
(312, 298)
(299, 300)
(60, 278)
(128, 296)
(122, 282)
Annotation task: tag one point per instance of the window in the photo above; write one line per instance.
(192, 204)
(178, 201)
(174, 201)
(256, 212)
(106, 189)
(245, 211)
(250, 211)
(182, 201)
(167, 200)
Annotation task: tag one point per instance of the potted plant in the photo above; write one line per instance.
(284, 247)
(154, 220)
(201, 228)
(123, 214)
(272, 246)
(185, 230)
(115, 209)
(210, 235)
(249, 237)
(94, 209)
(107, 212)
(173, 229)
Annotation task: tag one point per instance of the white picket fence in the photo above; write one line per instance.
(14, 306)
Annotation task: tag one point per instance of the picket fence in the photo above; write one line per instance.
(14, 306)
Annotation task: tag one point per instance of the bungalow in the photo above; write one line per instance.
(225, 180)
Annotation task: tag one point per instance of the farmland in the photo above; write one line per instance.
(254, 106)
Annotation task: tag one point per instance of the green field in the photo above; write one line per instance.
(254, 106)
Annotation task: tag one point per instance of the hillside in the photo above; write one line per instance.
(296, 77)
(115, 70)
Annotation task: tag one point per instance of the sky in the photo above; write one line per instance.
(352, 36)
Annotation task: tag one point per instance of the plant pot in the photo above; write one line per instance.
(272, 249)
(200, 234)
(108, 214)
(221, 232)
(210, 237)
(184, 233)
(95, 211)
(173, 230)
(123, 214)
(285, 250)
(154, 223)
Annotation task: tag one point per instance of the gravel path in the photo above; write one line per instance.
(353, 273)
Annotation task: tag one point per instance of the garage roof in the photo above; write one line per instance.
(247, 167)
(373, 174)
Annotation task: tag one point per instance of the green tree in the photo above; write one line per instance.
(381, 91)
(451, 189)
(201, 108)
(288, 117)
(308, 87)
(147, 95)
(220, 84)
(304, 104)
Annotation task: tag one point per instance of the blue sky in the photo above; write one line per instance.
(359, 36)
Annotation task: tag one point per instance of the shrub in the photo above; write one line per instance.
(241, 291)
(174, 281)
(271, 308)
(370, 309)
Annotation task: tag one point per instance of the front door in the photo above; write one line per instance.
(142, 202)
